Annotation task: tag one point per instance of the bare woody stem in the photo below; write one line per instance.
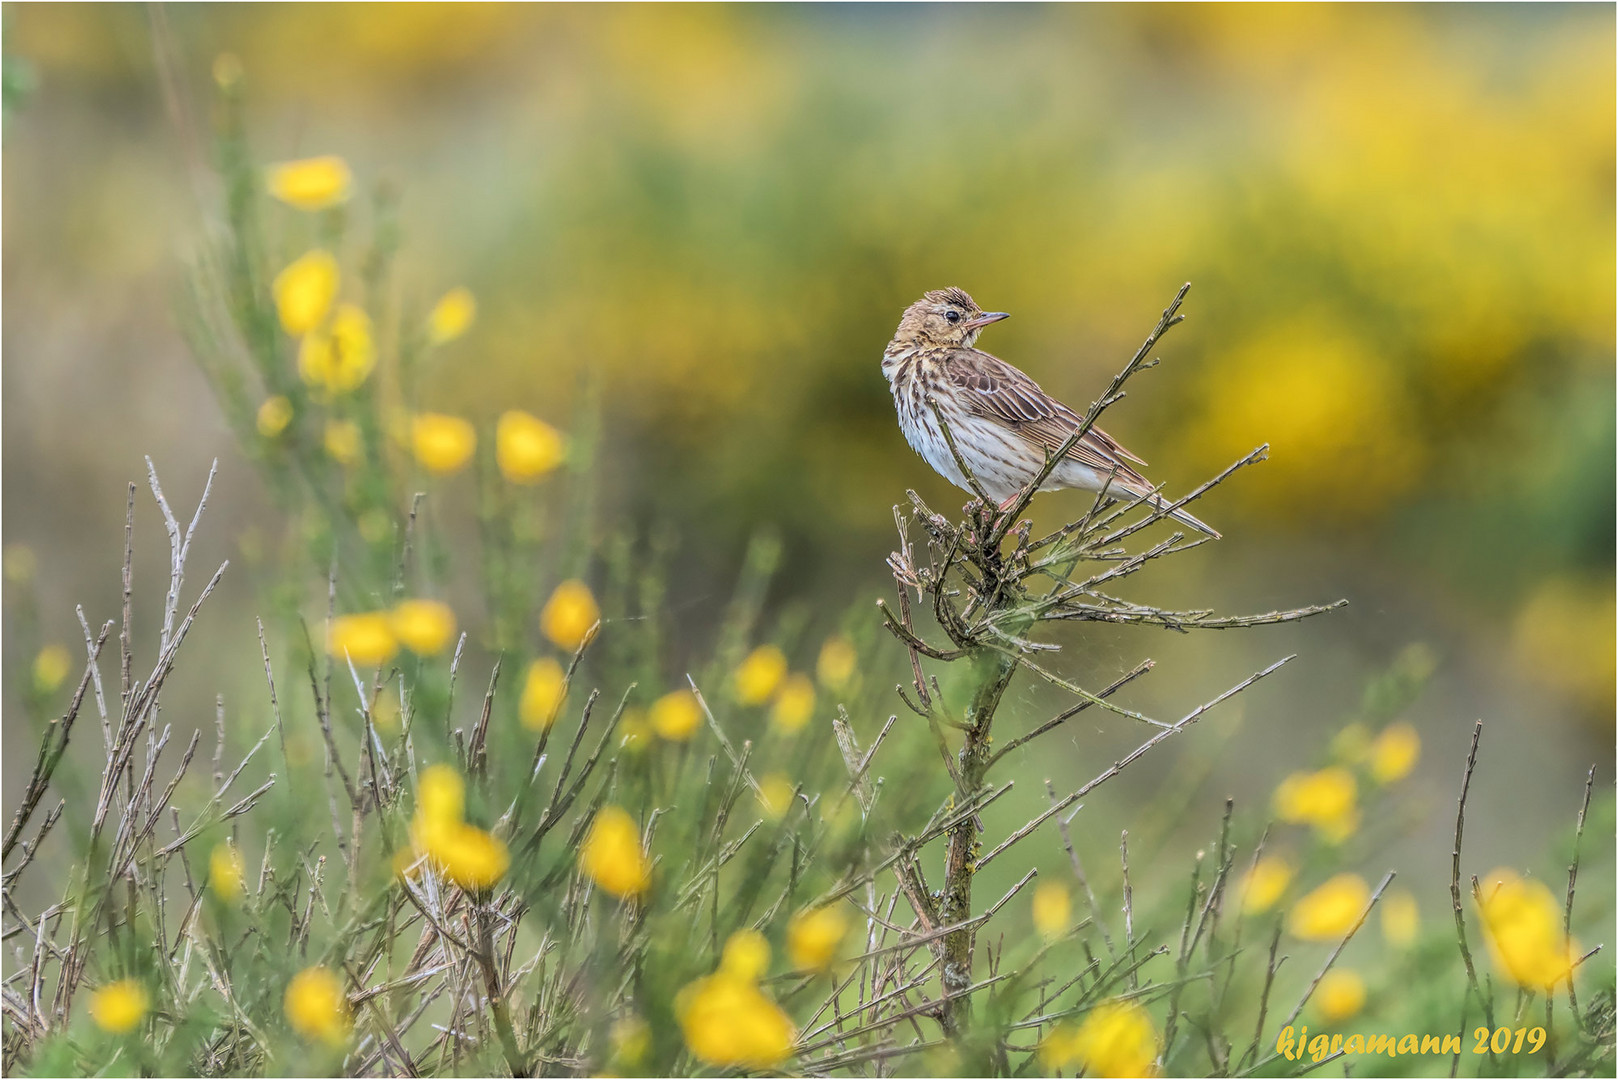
(960, 857)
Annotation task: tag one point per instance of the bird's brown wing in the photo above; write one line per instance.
(995, 390)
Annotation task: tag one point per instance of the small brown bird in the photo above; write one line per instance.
(1002, 422)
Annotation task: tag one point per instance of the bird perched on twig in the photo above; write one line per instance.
(1002, 423)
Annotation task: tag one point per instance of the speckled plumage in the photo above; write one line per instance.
(1002, 422)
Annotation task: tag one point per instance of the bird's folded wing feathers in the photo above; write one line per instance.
(995, 390)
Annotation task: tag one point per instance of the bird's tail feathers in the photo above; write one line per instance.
(1159, 503)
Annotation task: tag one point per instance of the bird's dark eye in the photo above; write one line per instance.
(953, 316)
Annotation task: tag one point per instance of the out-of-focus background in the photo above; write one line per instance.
(1398, 222)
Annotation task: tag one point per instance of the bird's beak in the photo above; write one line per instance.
(985, 318)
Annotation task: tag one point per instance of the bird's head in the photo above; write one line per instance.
(947, 317)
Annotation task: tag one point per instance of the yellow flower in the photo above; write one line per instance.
(1401, 920)
(746, 955)
(20, 563)
(775, 795)
(440, 798)
(1115, 1039)
(526, 447)
(1052, 908)
(542, 694)
(794, 703)
(1564, 638)
(836, 664)
(813, 937)
(425, 627)
(51, 667)
(385, 712)
(760, 674)
(442, 444)
(471, 858)
(1331, 910)
(451, 316)
(367, 639)
(316, 1006)
(226, 872)
(311, 183)
(634, 731)
(342, 441)
(1324, 799)
(1264, 884)
(338, 358)
(1340, 995)
(1522, 923)
(570, 614)
(274, 416)
(1394, 753)
(119, 1007)
(611, 855)
(305, 290)
(676, 715)
(727, 1020)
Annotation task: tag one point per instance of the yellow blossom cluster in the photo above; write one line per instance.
(570, 615)
(370, 638)
(836, 664)
(1523, 924)
(1331, 910)
(526, 448)
(1117, 1038)
(1264, 883)
(311, 184)
(51, 667)
(119, 1007)
(317, 1008)
(1324, 799)
(1340, 995)
(813, 937)
(1052, 909)
(469, 856)
(611, 854)
(727, 1018)
(227, 872)
(763, 677)
(569, 618)
(775, 791)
